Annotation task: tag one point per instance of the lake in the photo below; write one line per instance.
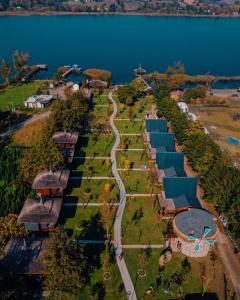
(121, 43)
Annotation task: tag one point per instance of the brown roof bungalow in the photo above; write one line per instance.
(49, 183)
(24, 255)
(66, 142)
(40, 214)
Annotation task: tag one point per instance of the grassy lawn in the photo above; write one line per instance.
(14, 96)
(104, 289)
(139, 108)
(102, 99)
(87, 146)
(29, 134)
(136, 158)
(129, 126)
(136, 182)
(146, 229)
(131, 142)
(91, 167)
(102, 114)
(77, 191)
(191, 284)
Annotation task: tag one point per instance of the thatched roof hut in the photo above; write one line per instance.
(51, 180)
(61, 137)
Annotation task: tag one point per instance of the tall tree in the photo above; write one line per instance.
(64, 266)
(5, 71)
(20, 63)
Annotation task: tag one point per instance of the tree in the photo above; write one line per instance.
(214, 258)
(107, 213)
(65, 266)
(5, 71)
(42, 156)
(20, 63)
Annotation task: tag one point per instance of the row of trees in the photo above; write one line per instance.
(69, 115)
(130, 93)
(220, 179)
(10, 73)
(12, 191)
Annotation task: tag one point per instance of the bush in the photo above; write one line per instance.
(194, 93)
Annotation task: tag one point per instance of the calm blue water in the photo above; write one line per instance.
(120, 43)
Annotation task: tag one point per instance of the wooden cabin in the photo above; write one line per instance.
(66, 143)
(154, 126)
(40, 214)
(51, 184)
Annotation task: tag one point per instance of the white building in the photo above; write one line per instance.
(183, 106)
(38, 101)
(75, 87)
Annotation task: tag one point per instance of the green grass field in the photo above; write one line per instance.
(14, 96)
(89, 167)
(148, 229)
(129, 126)
(88, 146)
(77, 190)
(136, 158)
(131, 142)
(137, 182)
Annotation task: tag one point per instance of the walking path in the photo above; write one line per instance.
(142, 195)
(90, 157)
(119, 119)
(87, 204)
(130, 149)
(91, 178)
(129, 287)
(130, 134)
(134, 169)
(141, 246)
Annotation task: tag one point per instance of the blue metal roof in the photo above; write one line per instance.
(166, 160)
(158, 140)
(176, 187)
(156, 125)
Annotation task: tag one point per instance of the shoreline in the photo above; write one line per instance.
(55, 13)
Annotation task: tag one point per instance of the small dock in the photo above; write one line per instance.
(70, 70)
(33, 70)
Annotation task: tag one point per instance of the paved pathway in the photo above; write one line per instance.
(32, 119)
(90, 157)
(142, 246)
(91, 178)
(130, 149)
(130, 134)
(129, 287)
(134, 169)
(119, 119)
(142, 195)
(87, 204)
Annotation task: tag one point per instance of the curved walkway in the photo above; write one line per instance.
(118, 220)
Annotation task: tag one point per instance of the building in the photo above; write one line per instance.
(24, 255)
(38, 101)
(40, 214)
(98, 84)
(183, 106)
(160, 142)
(139, 71)
(154, 125)
(75, 87)
(51, 184)
(196, 231)
(169, 164)
(66, 142)
(180, 193)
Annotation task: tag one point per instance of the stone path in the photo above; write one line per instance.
(128, 284)
(119, 119)
(134, 169)
(89, 157)
(142, 195)
(130, 134)
(142, 246)
(130, 149)
(87, 204)
(91, 178)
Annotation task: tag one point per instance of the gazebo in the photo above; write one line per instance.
(195, 230)
(49, 183)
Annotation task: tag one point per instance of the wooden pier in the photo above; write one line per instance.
(34, 70)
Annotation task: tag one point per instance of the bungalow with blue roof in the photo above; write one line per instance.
(169, 164)
(154, 125)
(179, 194)
(160, 142)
